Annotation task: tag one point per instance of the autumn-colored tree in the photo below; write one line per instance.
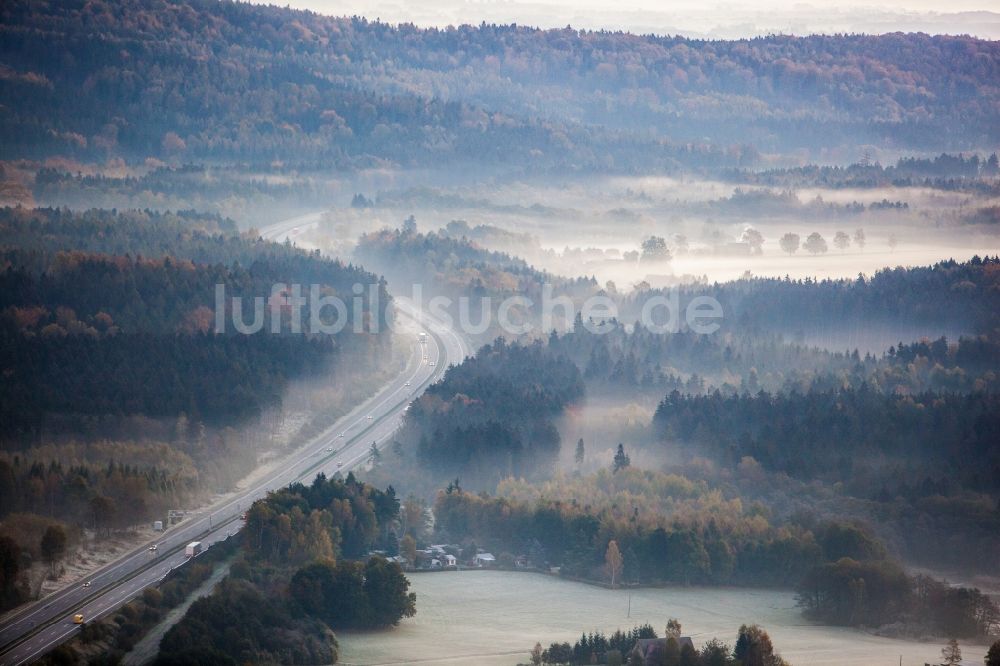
(414, 517)
(753, 647)
(536, 655)
(671, 653)
(613, 562)
(408, 549)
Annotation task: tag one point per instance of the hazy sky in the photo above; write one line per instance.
(708, 18)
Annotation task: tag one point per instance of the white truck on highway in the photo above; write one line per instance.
(193, 548)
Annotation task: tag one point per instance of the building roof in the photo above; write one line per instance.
(649, 646)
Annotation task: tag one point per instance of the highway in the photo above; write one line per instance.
(38, 627)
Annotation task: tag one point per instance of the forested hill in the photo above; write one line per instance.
(199, 79)
(108, 314)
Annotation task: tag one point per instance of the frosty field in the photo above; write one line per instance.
(493, 619)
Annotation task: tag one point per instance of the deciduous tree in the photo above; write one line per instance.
(789, 243)
(613, 562)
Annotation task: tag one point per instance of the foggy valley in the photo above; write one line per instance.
(449, 333)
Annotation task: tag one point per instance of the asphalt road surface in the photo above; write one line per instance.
(37, 628)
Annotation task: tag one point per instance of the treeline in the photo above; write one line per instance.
(39, 494)
(298, 578)
(641, 645)
(923, 468)
(258, 197)
(947, 295)
(857, 437)
(120, 398)
(43, 233)
(457, 265)
(877, 593)
(194, 109)
(474, 279)
(786, 203)
(238, 623)
(107, 313)
(112, 496)
(216, 379)
(616, 356)
(946, 171)
(635, 526)
(493, 415)
(667, 529)
(323, 520)
(342, 83)
(749, 359)
(492, 236)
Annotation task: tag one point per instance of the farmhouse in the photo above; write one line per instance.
(652, 648)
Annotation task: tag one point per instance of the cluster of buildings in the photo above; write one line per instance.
(447, 556)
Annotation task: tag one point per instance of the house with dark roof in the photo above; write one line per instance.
(651, 648)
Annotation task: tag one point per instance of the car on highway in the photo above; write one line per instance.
(341, 434)
(406, 384)
(370, 417)
(87, 584)
(431, 364)
(329, 449)
(339, 465)
(78, 618)
(152, 548)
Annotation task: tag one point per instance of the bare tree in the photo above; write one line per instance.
(536, 655)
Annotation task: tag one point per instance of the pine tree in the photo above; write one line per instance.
(993, 655)
(951, 654)
(621, 459)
